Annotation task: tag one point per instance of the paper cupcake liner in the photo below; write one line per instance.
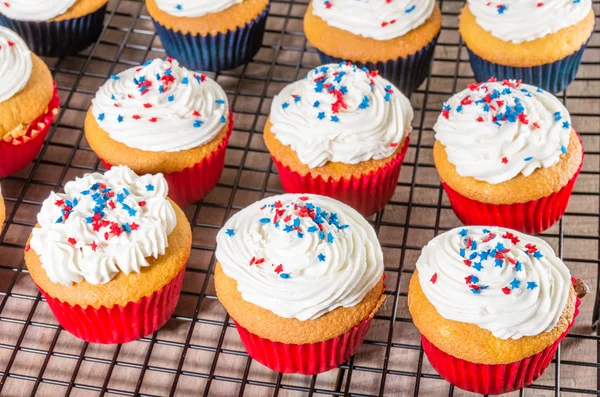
(553, 77)
(59, 38)
(367, 194)
(118, 324)
(531, 217)
(194, 183)
(213, 53)
(492, 379)
(13, 156)
(306, 359)
(406, 73)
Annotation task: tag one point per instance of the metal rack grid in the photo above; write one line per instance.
(198, 351)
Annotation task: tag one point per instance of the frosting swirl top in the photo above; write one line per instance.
(15, 64)
(518, 21)
(194, 8)
(341, 113)
(375, 19)
(506, 282)
(34, 10)
(496, 130)
(161, 107)
(103, 224)
(300, 256)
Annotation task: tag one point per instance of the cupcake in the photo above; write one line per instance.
(210, 35)
(507, 155)
(161, 117)
(28, 103)
(492, 306)
(540, 43)
(109, 255)
(55, 28)
(302, 277)
(342, 132)
(395, 37)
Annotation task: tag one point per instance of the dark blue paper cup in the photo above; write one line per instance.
(406, 73)
(59, 38)
(553, 77)
(213, 53)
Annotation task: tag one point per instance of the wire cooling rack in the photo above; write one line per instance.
(198, 352)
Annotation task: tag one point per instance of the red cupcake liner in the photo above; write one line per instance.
(531, 217)
(118, 324)
(18, 153)
(492, 379)
(194, 183)
(306, 359)
(367, 194)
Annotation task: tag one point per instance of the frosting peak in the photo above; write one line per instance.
(341, 113)
(518, 20)
(504, 281)
(161, 107)
(376, 19)
(103, 224)
(194, 8)
(496, 130)
(34, 10)
(300, 256)
(15, 64)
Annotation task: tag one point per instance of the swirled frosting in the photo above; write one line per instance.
(102, 225)
(375, 19)
(518, 21)
(161, 107)
(194, 8)
(506, 282)
(496, 130)
(15, 64)
(300, 256)
(34, 10)
(341, 113)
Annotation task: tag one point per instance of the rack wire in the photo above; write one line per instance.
(198, 351)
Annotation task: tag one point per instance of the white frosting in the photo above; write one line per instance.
(76, 244)
(161, 107)
(15, 64)
(375, 19)
(496, 130)
(194, 8)
(34, 10)
(283, 261)
(526, 20)
(341, 113)
(506, 282)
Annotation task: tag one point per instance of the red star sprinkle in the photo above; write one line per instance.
(433, 278)
(142, 204)
(147, 105)
(134, 226)
(59, 203)
(136, 117)
(278, 269)
(303, 198)
(259, 261)
(196, 113)
(71, 240)
(480, 119)
(153, 119)
(252, 261)
(468, 262)
(504, 160)
(506, 290)
(94, 246)
(11, 44)
(27, 247)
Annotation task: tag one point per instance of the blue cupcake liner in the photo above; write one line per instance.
(213, 53)
(59, 38)
(553, 77)
(406, 73)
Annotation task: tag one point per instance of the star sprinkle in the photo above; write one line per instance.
(230, 232)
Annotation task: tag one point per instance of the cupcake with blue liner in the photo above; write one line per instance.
(395, 37)
(55, 28)
(540, 43)
(210, 36)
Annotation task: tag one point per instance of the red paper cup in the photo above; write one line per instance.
(531, 217)
(492, 379)
(194, 183)
(118, 324)
(18, 153)
(306, 359)
(367, 194)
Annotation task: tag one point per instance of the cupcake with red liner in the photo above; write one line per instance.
(161, 117)
(492, 305)
(28, 103)
(302, 277)
(342, 132)
(109, 255)
(507, 155)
